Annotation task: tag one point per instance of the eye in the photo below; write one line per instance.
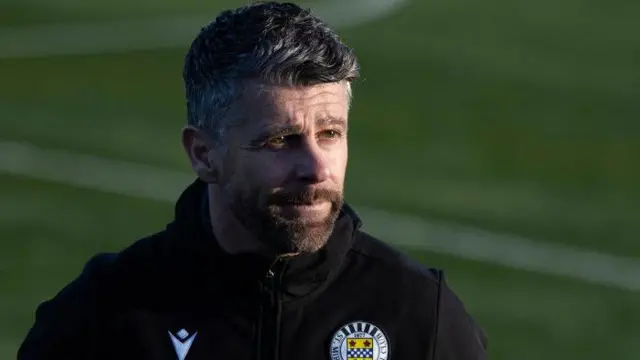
(277, 142)
(330, 134)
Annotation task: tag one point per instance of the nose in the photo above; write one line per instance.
(312, 166)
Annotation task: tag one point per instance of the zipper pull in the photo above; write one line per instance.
(270, 274)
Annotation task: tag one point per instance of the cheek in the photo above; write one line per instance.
(338, 163)
(267, 171)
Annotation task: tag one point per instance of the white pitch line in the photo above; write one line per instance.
(143, 181)
(173, 32)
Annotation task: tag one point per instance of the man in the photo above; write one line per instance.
(263, 259)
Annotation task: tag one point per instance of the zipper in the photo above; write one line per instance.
(270, 312)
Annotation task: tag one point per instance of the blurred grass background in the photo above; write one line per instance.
(513, 116)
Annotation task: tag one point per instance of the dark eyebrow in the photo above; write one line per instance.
(330, 120)
(280, 130)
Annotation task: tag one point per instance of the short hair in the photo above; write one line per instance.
(273, 43)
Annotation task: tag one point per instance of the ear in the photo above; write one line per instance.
(200, 150)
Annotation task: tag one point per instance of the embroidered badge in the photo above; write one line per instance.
(359, 341)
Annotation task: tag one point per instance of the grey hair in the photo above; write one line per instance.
(272, 43)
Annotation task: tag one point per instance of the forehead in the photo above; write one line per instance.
(267, 103)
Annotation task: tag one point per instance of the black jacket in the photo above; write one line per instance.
(175, 293)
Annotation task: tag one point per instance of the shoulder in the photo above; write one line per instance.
(105, 275)
(103, 271)
(426, 288)
(402, 277)
(380, 254)
(141, 254)
(72, 315)
(86, 290)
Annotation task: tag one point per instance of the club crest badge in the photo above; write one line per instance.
(359, 341)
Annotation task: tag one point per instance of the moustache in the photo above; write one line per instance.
(307, 196)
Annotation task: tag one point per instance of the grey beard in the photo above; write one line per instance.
(284, 236)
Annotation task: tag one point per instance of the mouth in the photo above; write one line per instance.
(309, 206)
(312, 210)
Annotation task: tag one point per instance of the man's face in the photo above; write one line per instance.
(283, 175)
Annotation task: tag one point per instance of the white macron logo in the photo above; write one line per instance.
(183, 344)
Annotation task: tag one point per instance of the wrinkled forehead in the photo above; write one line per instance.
(262, 104)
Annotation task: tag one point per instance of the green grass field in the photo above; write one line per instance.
(513, 116)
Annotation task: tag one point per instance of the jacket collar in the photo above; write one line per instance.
(299, 276)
